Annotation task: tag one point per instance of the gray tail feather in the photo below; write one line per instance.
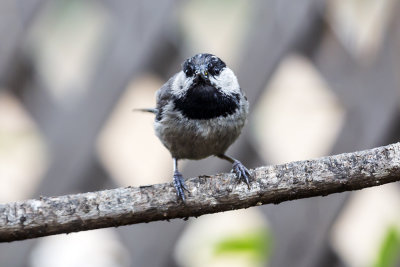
(151, 110)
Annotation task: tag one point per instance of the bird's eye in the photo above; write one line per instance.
(188, 72)
(214, 70)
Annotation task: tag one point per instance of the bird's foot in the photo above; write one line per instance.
(241, 172)
(179, 184)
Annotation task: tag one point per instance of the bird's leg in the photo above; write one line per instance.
(179, 182)
(238, 168)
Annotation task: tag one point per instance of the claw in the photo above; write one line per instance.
(179, 184)
(242, 172)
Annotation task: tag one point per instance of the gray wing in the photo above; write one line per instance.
(163, 97)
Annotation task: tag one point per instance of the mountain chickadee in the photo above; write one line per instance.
(200, 112)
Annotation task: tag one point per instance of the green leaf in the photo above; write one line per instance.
(256, 245)
(389, 250)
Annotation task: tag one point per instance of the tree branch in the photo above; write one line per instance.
(208, 194)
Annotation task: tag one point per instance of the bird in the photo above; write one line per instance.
(200, 111)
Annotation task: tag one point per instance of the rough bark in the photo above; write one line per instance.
(208, 194)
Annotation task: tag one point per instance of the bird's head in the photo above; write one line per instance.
(203, 66)
(205, 69)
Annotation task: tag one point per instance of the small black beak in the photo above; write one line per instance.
(203, 74)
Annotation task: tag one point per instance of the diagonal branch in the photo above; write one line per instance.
(208, 194)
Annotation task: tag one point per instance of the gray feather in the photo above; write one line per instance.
(151, 110)
(163, 95)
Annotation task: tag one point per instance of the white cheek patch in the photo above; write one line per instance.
(181, 84)
(227, 81)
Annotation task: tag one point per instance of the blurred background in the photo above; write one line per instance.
(322, 77)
